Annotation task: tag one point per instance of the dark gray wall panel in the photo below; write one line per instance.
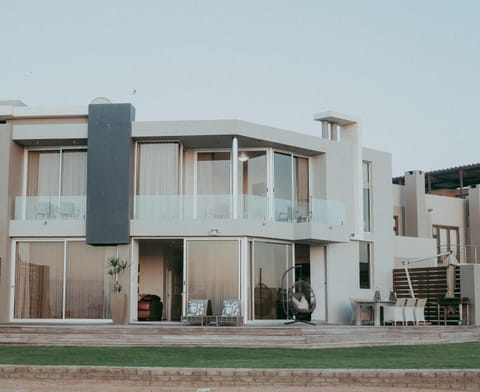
(109, 173)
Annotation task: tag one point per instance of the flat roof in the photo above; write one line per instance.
(450, 178)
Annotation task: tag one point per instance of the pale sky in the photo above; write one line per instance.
(408, 70)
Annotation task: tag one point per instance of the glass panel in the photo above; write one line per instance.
(444, 245)
(39, 280)
(283, 187)
(43, 173)
(74, 172)
(271, 260)
(454, 245)
(301, 189)
(88, 286)
(213, 271)
(158, 172)
(252, 184)
(364, 258)
(213, 179)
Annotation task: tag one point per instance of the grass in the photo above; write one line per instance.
(444, 356)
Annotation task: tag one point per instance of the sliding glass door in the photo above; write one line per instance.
(270, 261)
(213, 271)
(290, 188)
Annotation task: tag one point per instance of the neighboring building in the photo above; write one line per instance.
(437, 212)
(201, 209)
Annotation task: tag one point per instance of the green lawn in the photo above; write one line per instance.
(460, 356)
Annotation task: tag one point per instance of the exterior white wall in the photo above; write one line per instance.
(411, 248)
(53, 129)
(318, 281)
(343, 281)
(382, 221)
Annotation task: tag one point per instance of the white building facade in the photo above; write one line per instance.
(200, 209)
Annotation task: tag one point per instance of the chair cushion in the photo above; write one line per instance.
(196, 308)
(231, 308)
(300, 305)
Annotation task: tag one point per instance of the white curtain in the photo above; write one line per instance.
(158, 169)
(43, 171)
(39, 280)
(87, 285)
(74, 173)
(213, 271)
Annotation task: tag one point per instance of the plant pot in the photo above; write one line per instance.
(118, 304)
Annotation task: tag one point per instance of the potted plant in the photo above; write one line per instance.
(118, 301)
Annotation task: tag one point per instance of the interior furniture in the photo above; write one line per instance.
(150, 308)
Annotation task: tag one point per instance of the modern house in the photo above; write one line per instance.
(202, 210)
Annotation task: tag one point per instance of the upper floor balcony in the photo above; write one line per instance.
(245, 207)
(189, 207)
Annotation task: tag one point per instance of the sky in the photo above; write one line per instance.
(407, 70)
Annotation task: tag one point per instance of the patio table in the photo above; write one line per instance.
(375, 305)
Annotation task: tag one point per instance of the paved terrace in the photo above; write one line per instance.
(296, 336)
(121, 379)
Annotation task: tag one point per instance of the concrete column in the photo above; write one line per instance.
(416, 222)
(470, 288)
(318, 280)
(325, 130)
(234, 178)
(334, 131)
(474, 217)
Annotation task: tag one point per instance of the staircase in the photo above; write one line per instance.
(308, 337)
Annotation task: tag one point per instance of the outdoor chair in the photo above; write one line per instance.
(409, 311)
(394, 313)
(419, 311)
(197, 311)
(231, 313)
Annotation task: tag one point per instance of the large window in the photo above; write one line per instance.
(290, 187)
(56, 184)
(61, 280)
(213, 185)
(158, 181)
(367, 196)
(212, 271)
(447, 238)
(270, 261)
(365, 265)
(252, 184)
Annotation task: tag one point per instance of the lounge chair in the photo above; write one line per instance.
(231, 313)
(197, 311)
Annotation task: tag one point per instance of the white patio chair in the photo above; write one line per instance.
(419, 311)
(394, 313)
(409, 311)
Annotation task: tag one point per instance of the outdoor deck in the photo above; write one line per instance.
(298, 336)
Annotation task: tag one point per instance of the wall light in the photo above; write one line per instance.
(213, 232)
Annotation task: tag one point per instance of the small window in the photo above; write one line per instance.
(367, 196)
(395, 225)
(365, 265)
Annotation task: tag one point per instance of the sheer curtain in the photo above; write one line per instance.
(301, 191)
(39, 280)
(270, 261)
(43, 172)
(87, 284)
(74, 173)
(213, 271)
(213, 184)
(158, 180)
